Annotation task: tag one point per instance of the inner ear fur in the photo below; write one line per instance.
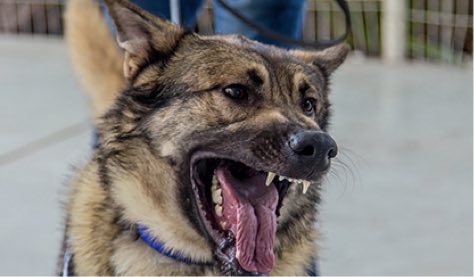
(141, 35)
(330, 58)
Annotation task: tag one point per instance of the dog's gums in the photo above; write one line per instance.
(239, 207)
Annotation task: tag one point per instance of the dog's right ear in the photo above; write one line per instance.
(144, 37)
(329, 59)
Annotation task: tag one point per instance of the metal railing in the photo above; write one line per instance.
(440, 30)
(31, 16)
(324, 20)
(437, 30)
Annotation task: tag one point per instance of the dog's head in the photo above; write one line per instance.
(217, 139)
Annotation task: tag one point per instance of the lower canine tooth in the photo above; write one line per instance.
(306, 185)
(218, 210)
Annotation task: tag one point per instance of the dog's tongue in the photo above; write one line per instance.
(248, 208)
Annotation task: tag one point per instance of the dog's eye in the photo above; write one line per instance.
(236, 91)
(309, 105)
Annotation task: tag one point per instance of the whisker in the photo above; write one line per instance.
(344, 164)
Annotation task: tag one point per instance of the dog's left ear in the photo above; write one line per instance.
(143, 36)
(330, 58)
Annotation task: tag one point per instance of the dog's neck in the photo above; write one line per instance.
(159, 247)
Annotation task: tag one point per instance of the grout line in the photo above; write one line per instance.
(44, 142)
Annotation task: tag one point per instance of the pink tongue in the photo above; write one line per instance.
(249, 212)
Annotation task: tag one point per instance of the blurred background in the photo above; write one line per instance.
(399, 199)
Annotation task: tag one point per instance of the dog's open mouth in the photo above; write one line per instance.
(239, 207)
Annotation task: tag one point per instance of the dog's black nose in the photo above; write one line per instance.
(315, 145)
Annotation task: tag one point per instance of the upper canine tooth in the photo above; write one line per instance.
(270, 178)
(306, 185)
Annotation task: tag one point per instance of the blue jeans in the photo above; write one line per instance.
(283, 16)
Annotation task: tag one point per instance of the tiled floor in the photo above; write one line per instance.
(409, 209)
(38, 97)
(405, 207)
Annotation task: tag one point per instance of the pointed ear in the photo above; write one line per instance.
(330, 58)
(143, 36)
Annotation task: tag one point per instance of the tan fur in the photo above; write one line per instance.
(86, 195)
(125, 255)
(139, 174)
(94, 54)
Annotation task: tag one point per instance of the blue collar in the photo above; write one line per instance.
(312, 270)
(159, 247)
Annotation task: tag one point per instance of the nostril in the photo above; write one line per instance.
(302, 144)
(313, 144)
(307, 151)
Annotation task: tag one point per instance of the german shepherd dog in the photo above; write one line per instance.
(214, 148)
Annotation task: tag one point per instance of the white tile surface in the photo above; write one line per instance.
(38, 96)
(408, 211)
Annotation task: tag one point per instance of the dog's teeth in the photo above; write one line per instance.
(290, 180)
(270, 178)
(237, 254)
(223, 223)
(217, 196)
(215, 183)
(218, 210)
(306, 185)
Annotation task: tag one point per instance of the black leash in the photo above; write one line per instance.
(268, 33)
